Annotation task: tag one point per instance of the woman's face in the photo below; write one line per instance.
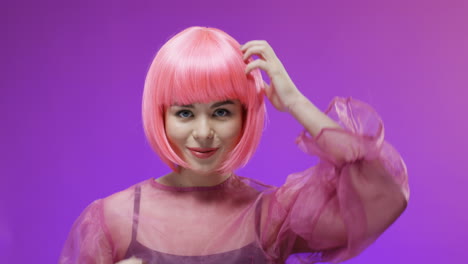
(202, 134)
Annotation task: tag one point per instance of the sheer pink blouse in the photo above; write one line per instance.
(328, 213)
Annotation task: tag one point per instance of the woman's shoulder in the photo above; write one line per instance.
(118, 210)
(124, 197)
(255, 184)
(121, 202)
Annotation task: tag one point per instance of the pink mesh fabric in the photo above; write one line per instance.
(330, 212)
(88, 240)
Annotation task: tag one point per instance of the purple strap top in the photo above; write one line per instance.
(249, 254)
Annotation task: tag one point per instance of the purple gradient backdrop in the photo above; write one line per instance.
(71, 86)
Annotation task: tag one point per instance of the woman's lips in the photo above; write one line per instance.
(203, 153)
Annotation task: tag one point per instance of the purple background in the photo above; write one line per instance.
(71, 85)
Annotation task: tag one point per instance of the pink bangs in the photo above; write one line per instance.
(203, 65)
(200, 65)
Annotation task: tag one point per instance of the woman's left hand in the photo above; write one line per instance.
(281, 92)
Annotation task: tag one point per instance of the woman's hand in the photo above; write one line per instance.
(131, 260)
(281, 92)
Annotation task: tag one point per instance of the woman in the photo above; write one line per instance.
(203, 114)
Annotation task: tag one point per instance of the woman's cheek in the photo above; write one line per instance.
(177, 130)
(234, 131)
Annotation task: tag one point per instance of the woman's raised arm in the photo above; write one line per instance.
(334, 210)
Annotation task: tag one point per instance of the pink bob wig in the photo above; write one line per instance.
(201, 65)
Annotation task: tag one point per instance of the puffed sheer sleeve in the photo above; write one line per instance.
(334, 210)
(88, 241)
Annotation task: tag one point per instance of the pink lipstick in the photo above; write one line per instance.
(203, 153)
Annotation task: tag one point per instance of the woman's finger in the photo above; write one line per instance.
(253, 43)
(264, 52)
(260, 64)
(266, 86)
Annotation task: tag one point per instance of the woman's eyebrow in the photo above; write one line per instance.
(218, 104)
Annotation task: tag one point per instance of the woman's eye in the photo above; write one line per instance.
(221, 113)
(184, 114)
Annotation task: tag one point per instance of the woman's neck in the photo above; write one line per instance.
(190, 178)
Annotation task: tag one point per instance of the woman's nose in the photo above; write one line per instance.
(203, 129)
